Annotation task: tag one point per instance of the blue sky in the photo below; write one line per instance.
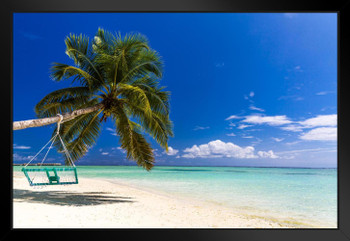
(247, 89)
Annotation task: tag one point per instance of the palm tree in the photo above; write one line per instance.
(113, 77)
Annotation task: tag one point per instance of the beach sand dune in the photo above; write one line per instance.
(98, 203)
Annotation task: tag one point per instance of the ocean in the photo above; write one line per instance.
(292, 195)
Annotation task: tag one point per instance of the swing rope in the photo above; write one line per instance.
(63, 145)
(52, 140)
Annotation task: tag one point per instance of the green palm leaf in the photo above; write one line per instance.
(136, 146)
(63, 100)
(81, 134)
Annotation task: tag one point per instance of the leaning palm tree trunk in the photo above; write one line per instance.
(18, 125)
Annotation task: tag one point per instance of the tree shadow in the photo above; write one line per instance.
(64, 198)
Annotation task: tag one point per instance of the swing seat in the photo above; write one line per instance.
(51, 175)
(54, 179)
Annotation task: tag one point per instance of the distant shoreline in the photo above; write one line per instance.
(59, 164)
(39, 164)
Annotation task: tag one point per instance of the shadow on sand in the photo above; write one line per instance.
(64, 198)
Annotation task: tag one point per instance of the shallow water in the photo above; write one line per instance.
(295, 195)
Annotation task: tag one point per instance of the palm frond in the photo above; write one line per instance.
(136, 146)
(157, 125)
(62, 100)
(103, 42)
(63, 71)
(77, 48)
(158, 98)
(81, 133)
(135, 95)
(145, 63)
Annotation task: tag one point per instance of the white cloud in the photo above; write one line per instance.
(307, 150)
(277, 139)
(257, 141)
(231, 124)
(320, 120)
(325, 92)
(18, 157)
(21, 147)
(292, 143)
(249, 97)
(104, 153)
(121, 150)
(327, 122)
(293, 128)
(321, 134)
(291, 97)
(233, 117)
(155, 152)
(268, 120)
(231, 134)
(219, 148)
(298, 68)
(289, 157)
(267, 154)
(200, 128)
(171, 151)
(293, 153)
(112, 131)
(252, 107)
(314, 122)
(243, 126)
(328, 108)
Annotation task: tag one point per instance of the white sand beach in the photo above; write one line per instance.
(98, 203)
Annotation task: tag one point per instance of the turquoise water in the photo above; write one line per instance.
(307, 196)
